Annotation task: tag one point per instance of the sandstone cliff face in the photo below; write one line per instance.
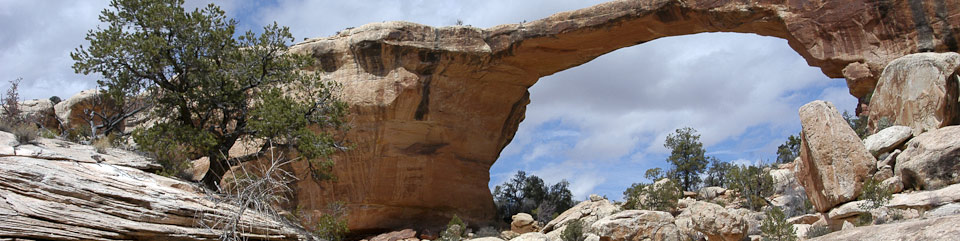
(433, 107)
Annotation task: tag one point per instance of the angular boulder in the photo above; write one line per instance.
(887, 139)
(918, 90)
(833, 162)
(931, 160)
(632, 225)
(714, 221)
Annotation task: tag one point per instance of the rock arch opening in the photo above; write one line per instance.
(432, 108)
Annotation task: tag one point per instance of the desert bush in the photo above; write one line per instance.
(573, 231)
(101, 145)
(775, 226)
(753, 183)
(455, 230)
(875, 194)
(659, 196)
(10, 104)
(487, 232)
(817, 231)
(332, 224)
(25, 133)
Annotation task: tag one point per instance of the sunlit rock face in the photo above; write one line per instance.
(431, 108)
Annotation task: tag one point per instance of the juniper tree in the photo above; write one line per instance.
(212, 87)
(686, 156)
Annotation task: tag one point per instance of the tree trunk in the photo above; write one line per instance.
(218, 167)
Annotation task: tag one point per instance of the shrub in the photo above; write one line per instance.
(529, 194)
(487, 232)
(11, 104)
(101, 145)
(775, 226)
(332, 225)
(455, 230)
(859, 124)
(875, 194)
(753, 183)
(659, 196)
(573, 232)
(25, 133)
(817, 231)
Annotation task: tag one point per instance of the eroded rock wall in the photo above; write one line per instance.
(431, 108)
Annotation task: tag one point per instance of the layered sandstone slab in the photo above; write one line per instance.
(432, 107)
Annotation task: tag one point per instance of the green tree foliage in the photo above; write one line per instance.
(529, 194)
(686, 156)
(875, 196)
(455, 230)
(717, 173)
(332, 225)
(753, 183)
(209, 87)
(858, 123)
(654, 174)
(789, 150)
(775, 226)
(573, 231)
(660, 196)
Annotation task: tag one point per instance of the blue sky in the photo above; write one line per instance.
(599, 125)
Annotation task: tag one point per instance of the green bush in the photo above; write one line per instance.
(487, 232)
(530, 194)
(753, 183)
(659, 196)
(573, 232)
(332, 225)
(817, 231)
(875, 194)
(455, 230)
(859, 124)
(775, 226)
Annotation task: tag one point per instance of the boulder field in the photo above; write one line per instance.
(432, 107)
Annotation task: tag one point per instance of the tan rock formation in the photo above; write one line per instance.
(523, 223)
(73, 199)
(589, 211)
(433, 107)
(918, 90)
(934, 229)
(887, 140)
(833, 161)
(714, 221)
(636, 225)
(931, 160)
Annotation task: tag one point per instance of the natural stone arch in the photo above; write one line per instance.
(431, 108)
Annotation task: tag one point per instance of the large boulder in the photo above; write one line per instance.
(918, 90)
(887, 139)
(41, 111)
(714, 221)
(523, 223)
(789, 195)
(833, 162)
(925, 200)
(931, 160)
(589, 211)
(637, 225)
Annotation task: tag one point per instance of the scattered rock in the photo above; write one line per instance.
(926, 199)
(714, 221)
(804, 219)
(507, 235)
(887, 139)
(917, 90)
(847, 225)
(632, 225)
(485, 239)
(948, 209)
(934, 229)
(523, 223)
(709, 193)
(833, 161)
(789, 196)
(894, 184)
(931, 160)
(888, 159)
(396, 235)
(586, 211)
(883, 173)
(849, 209)
(533, 236)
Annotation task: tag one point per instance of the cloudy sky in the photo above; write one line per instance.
(599, 125)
